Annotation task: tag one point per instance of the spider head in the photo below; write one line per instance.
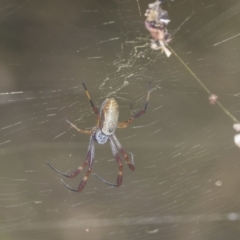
(100, 137)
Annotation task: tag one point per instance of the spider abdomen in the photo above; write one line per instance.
(109, 116)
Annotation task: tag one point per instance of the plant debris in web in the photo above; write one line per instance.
(236, 127)
(156, 23)
(212, 99)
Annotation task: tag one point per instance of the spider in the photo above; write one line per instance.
(104, 131)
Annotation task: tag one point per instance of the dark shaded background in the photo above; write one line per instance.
(186, 183)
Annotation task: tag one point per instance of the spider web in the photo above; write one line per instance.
(186, 181)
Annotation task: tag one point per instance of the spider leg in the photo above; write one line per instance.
(95, 110)
(139, 114)
(90, 165)
(82, 183)
(106, 182)
(78, 129)
(76, 171)
(67, 186)
(124, 153)
(120, 166)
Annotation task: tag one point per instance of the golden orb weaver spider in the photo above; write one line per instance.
(107, 123)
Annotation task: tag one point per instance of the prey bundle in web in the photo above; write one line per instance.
(156, 23)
